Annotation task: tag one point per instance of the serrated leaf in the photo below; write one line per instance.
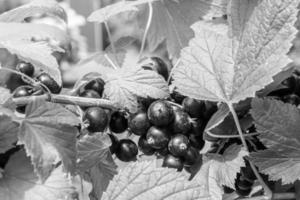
(218, 170)
(38, 54)
(6, 98)
(32, 9)
(48, 133)
(100, 175)
(143, 180)
(212, 68)
(107, 12)
(19, 182)
(8, 131)
(218, 117)
(279, 126)
(172, 19)
(92, 149)
(124, 85)
(26, 31)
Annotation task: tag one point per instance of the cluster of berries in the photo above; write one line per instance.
(27, 90)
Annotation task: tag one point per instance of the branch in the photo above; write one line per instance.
(150, 16)
(276, 196)
(65, 99)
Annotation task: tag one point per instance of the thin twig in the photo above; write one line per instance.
(268, 192)
(150, 16)
(111, 62)
(276, 196)
(230, 136)
(110, 38)
(65, 99)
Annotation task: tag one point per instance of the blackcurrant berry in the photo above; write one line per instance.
(196, 141)
(211, 108)
(118, 122)
(158, 65)
(181, 123)
(145, 147)
(49, 82)
(22, 91)
(97, 85)
(127, 150)
(171, 161)
(162, 152)
(89, 94)
(97, 119)
(178, 98)
(191, 156)
(160, 113)
(114, 143)
(193, 107)
(178, 145)
(158, 138)
(139, 123)
(25, 68)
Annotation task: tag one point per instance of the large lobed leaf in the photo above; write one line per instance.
(19, 182)
(48, 133)
(32, 9)
(279, 126)
(229, 64)
(143, 180)
(8, 131)
(218, 170)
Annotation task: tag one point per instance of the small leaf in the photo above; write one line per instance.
(48, 133)
(100, 175)
(8, 131)
(279, 126)
(19, 182)
(38, 54)
(32, 9)
(124, 85)
(218, 170)
(143, 180)
(6, 98)
(214, 69)
(107, 12)
(218, 117)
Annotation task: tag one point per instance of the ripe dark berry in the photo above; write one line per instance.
(193, 107)
(97, 85)
(191, 156)
(25, 68)
(178, 145)
(145, 147)
(118, 122)
(139, 123)
(178, 98)
(127, 150)
(158, 138)
(181, 123)
(114, 143)
(49, 82)
(22, 91)
(196, 141)
(171, 161)
(89, 94)
(97, 119)
(158, 65)
(162, 152)
(198, 127)
(160, 113)
(211, 108)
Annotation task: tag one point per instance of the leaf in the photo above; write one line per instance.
(217, 67)
(143, 180)
(26, 31)
(279, 126)
(38, 54)
(218, 170)
(8, 132)
(32, 9)
(92, 149)
(19, 182)
(100, 175)
(48, 133)
(124, 85)
(6, 98)
(218, 117)
(171, 21)
(107, 12)
(83, 188)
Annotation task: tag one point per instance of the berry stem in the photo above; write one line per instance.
(110, 38)
(66, 99)
(110, 61)
(230, 136)
(150, 16)
(267, 190)
(276, 196)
